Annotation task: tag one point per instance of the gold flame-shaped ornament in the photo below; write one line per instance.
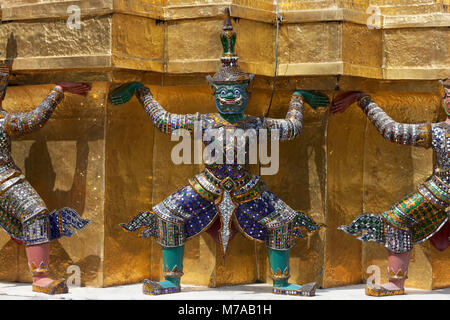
(229, 73)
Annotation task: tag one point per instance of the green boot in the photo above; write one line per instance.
(172, 267)
(279, 269)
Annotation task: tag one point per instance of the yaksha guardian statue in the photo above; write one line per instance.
(23, 214)
(224, 191)
(422, 214)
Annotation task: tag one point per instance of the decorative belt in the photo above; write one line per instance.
(211, 188)
(227, 183)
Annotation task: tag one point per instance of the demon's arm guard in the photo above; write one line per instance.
(144, 219)
(401, 133)
(165, 121)
(303, 224)
(291, 126)
(20, 123)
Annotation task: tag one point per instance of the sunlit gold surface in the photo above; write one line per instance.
(128, 189)
(108, 162)
(315, 37)
(135, 50)
(254, 9)
(345, 149)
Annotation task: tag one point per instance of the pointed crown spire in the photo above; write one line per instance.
(229, 73)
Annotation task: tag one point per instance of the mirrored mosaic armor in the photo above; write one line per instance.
(226, 191)
(421, 214)
(23, 214)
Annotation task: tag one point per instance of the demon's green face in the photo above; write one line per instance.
(231, 98)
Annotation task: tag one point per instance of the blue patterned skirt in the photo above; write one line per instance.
(258, 213)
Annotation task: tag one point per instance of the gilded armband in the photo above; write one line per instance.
(364, 101)
(423, 138)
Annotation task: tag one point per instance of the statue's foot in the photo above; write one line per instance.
(387, 289)
(308, 289)
(49, 286)
(156, 288)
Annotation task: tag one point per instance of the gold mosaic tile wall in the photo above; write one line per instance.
(108, 162)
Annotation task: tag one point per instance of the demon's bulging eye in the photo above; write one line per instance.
(223, 92)
(237, 92)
